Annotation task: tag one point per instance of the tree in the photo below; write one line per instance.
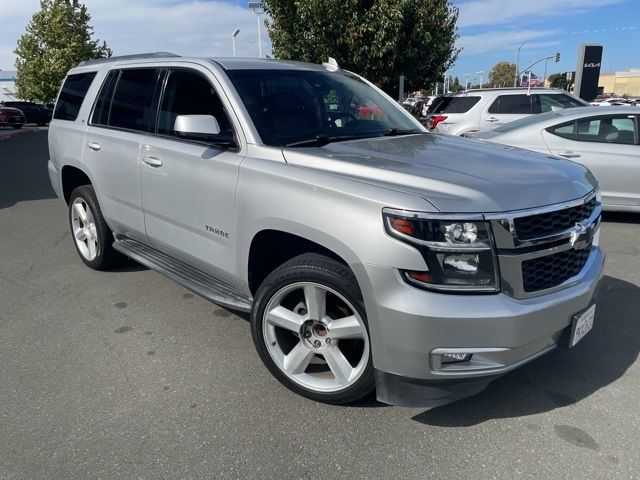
(456, 87)
(379, 39)
(557, 80)
(502, 74)
(58, 37)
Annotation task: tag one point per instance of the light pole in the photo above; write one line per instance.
(466, 82)
(256, 7)
(481, 73)
(233, 39)
(515, 78)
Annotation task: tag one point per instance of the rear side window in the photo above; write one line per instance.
(513, 104)
(557, 101)
(132, 104)
(565, 130)
(72, 95)
(618, 129)
(455, 105)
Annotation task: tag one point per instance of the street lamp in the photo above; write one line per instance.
(466, 82)
(481, 73)
(515, 78)
(233, 39)
(256, 7)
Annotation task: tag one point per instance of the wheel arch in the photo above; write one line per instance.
(271, 247)
(71, 178)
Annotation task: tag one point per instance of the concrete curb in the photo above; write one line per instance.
(17, 133)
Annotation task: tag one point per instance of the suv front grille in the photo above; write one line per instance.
(550, 271)
(545, 224)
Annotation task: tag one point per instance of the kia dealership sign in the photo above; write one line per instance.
(588, 71)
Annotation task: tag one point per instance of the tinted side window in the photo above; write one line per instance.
(132, 105)
(557, 101)
(514, 104)
(103, 104)
(455, 104)
(566, 130)
(620, 129)
(72, 95)
(190, 93)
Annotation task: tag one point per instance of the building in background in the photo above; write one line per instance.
(620, 83)
(7, 86)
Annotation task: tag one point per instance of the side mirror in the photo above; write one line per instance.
(197, 126)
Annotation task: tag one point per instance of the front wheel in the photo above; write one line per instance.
(310, 329)
(17, 127)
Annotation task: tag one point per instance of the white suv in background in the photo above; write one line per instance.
(484, 109)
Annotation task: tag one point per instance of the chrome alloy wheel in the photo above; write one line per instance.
(316, 337)
(84, 229)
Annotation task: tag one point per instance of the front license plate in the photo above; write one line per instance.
(581, 325)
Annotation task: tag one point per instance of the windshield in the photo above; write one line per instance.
(296, 106)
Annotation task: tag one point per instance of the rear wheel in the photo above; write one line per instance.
(91, 234)
(309, 327)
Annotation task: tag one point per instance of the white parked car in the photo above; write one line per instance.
(604, 140)
(484, 109)
(610, 102)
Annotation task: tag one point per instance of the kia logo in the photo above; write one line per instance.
(591, 65)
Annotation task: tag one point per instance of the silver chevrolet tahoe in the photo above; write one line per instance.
(370, 253)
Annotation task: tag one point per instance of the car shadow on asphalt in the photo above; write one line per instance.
(562, 377)
(621, 217)
(23, 169)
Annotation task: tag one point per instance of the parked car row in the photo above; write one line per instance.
(17, 113)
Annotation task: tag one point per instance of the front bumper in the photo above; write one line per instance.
(407, 325)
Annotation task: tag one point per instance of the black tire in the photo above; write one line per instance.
(106, 256)
(320, 269)
(17, 127)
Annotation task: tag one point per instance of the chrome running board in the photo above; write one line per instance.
(206, 286)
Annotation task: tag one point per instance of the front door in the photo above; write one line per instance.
(188, 184)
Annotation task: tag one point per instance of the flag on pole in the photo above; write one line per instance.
(535, 81)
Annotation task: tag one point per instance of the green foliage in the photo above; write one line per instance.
(502, 74)
(58, 38)
(557, 80)
(455, 86)
(379, 39)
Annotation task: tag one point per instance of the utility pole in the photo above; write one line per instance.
(481, 73)
(466, 82)
(515, 79)
(256, 7)
(233, 39)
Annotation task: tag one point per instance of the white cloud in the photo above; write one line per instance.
(494, 12)
(186, 28)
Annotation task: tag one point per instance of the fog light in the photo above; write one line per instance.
(448, 358)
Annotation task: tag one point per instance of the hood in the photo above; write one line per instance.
(454, 174)
(10, 110)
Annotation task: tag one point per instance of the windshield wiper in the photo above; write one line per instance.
(392, 132)
(321, 140)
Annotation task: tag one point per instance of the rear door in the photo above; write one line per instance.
(123, 114)
(608, 146)
(506, 108)
(454, 114)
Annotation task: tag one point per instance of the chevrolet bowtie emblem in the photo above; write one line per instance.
(578, 231)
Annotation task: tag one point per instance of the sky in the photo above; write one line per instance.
(490, 30)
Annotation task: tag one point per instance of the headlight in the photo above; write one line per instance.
(458, 251)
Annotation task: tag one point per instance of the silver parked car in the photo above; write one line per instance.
(369, 253)
(481, 110)
(605, 141)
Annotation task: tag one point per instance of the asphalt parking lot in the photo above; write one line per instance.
(125, 374)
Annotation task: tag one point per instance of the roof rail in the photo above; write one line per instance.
(128, 57)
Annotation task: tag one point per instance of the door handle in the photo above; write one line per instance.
(94, 146)
(492, 119)
(569, 155)
(152, 161)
